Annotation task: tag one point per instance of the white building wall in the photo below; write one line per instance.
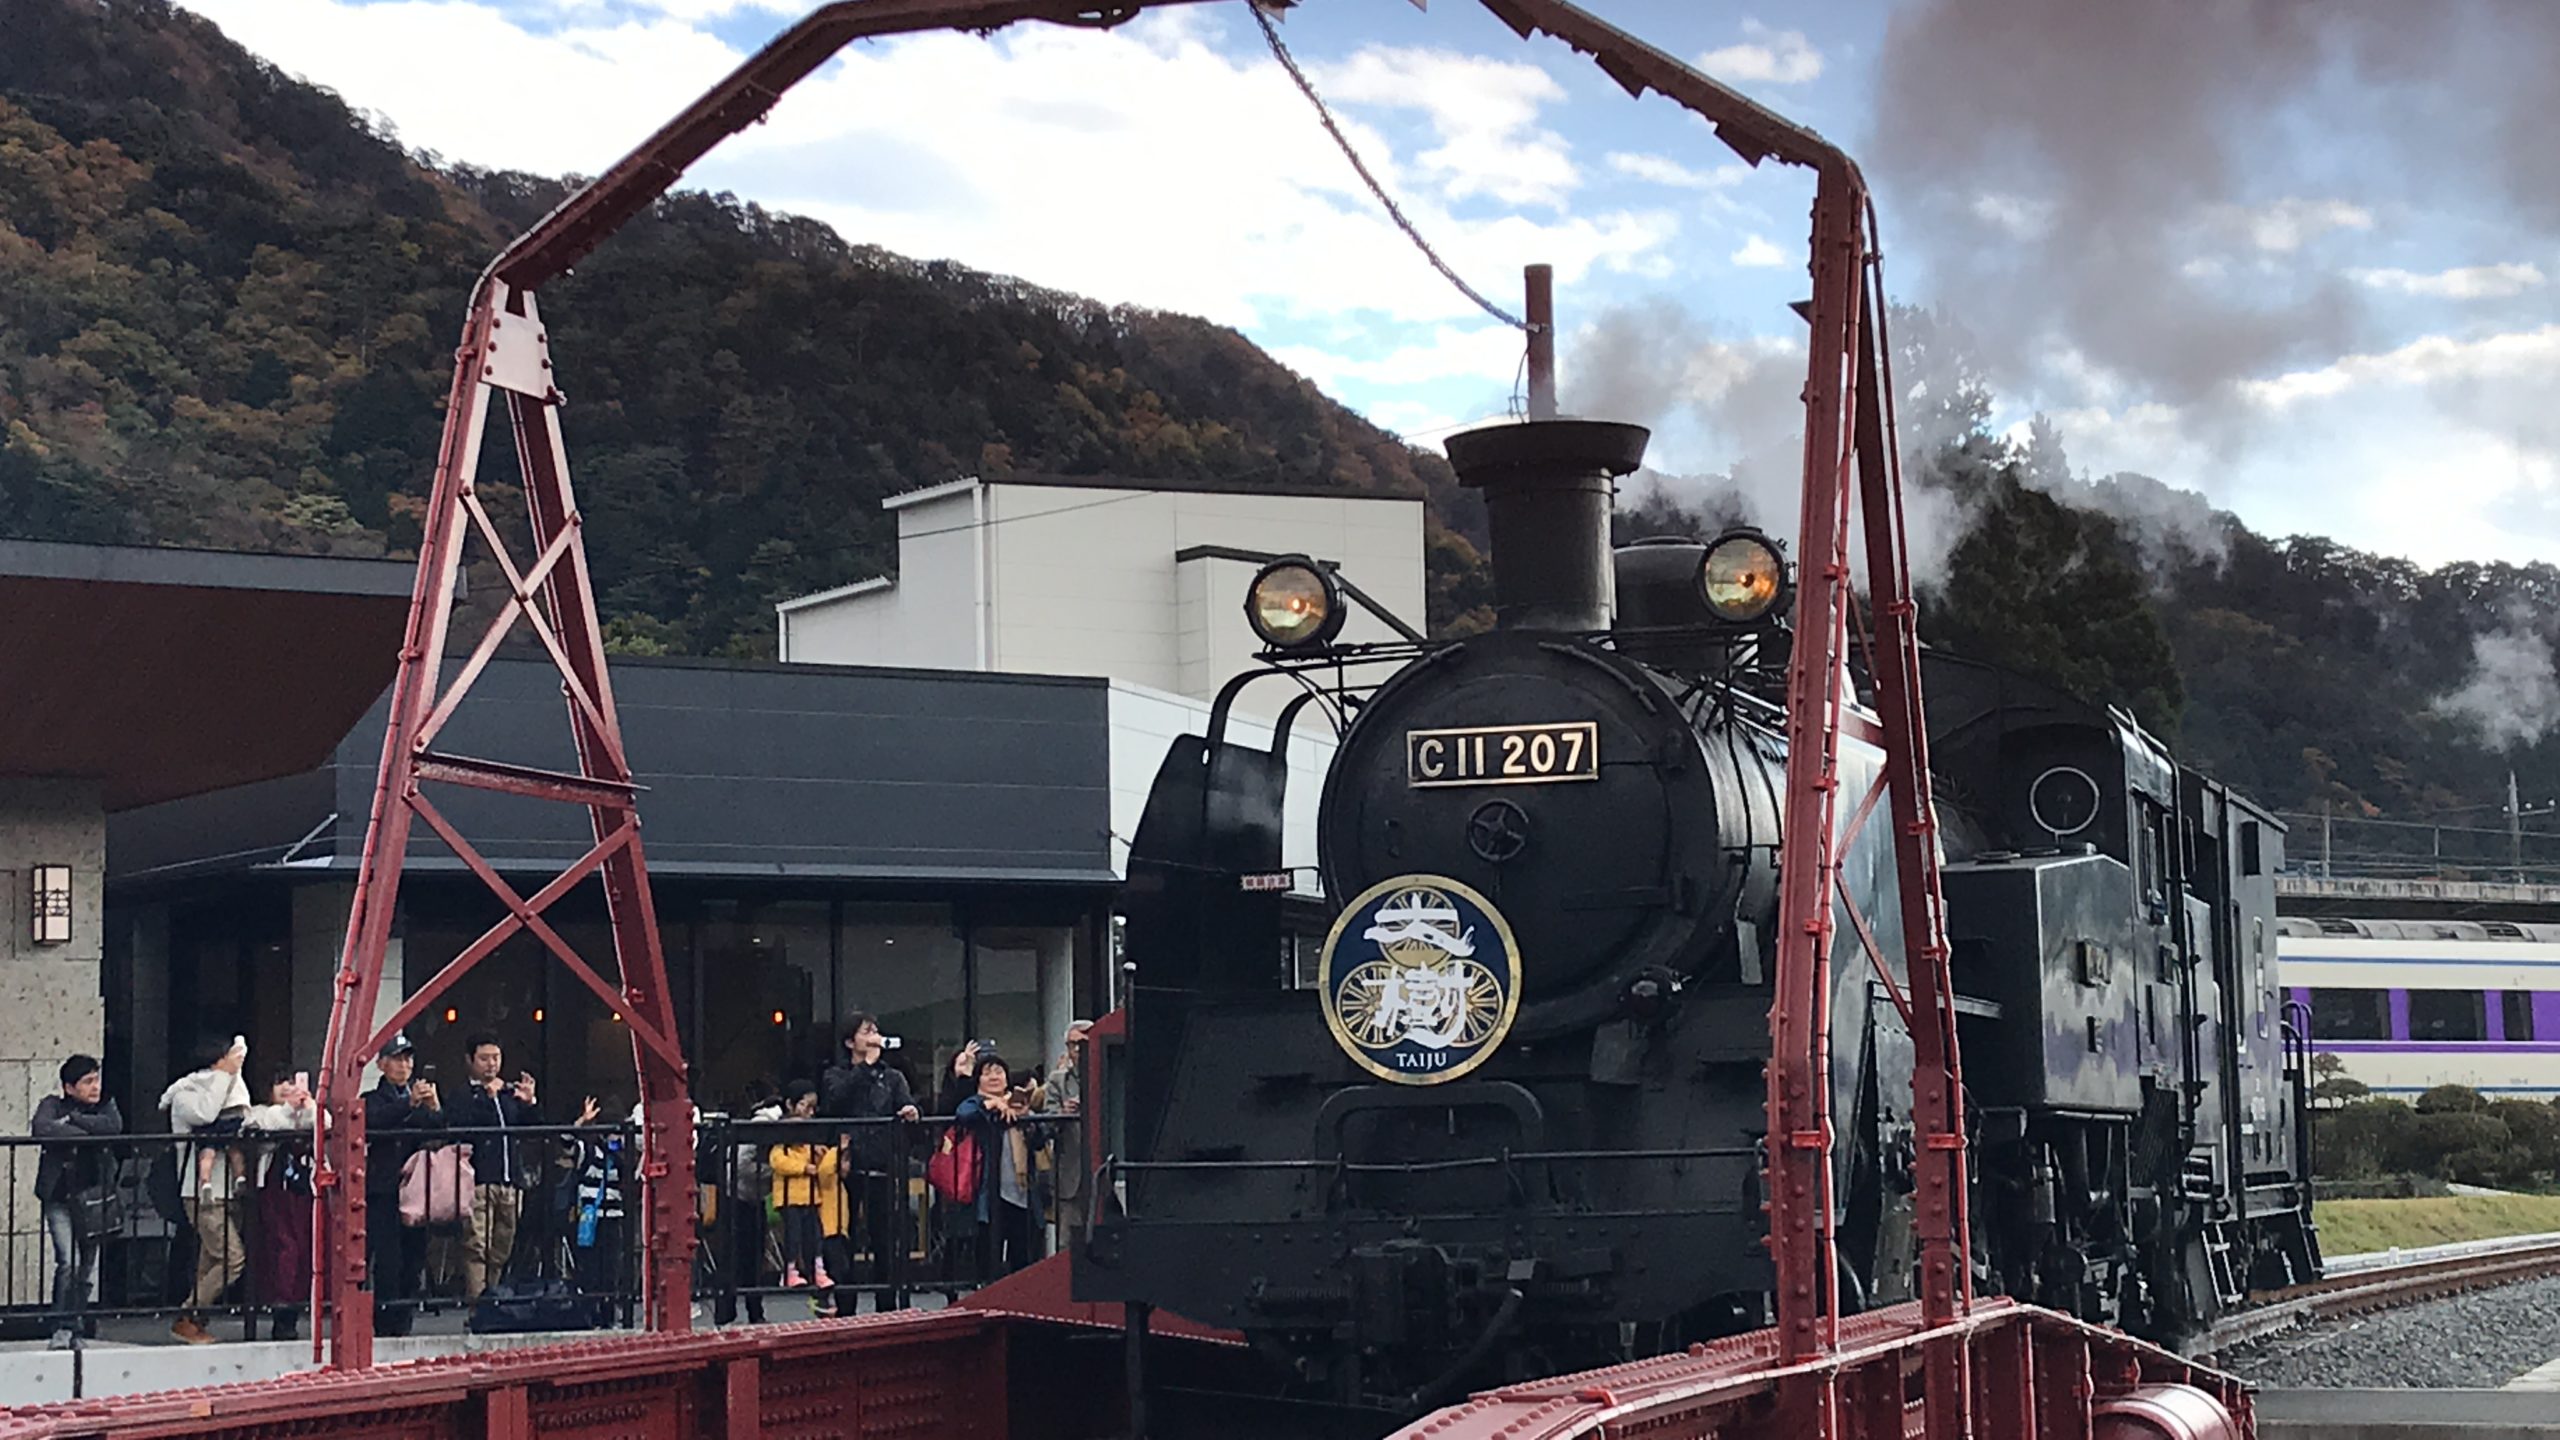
(1085, 580)
(1378, 544)
(1212, 637)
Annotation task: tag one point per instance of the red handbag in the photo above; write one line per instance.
(955, 1166)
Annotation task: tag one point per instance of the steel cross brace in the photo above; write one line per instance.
(505, 351)
(1848, 442)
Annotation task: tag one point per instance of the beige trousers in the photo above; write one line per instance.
(220, 1257)
(491, 1239)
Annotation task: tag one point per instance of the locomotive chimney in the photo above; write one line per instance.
(1549, 486)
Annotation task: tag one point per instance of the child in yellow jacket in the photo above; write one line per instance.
(809, 1192)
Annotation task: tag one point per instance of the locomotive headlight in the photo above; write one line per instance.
(1742, 576)
(1294, 603)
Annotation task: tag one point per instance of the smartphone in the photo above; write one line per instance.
(302, 1080)
(890, 1042)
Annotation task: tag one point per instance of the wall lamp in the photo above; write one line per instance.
(49, 910)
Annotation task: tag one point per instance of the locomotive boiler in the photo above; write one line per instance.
(1515, 1126)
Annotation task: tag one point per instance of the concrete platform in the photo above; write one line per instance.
(34, 1376)
(2408, 1414)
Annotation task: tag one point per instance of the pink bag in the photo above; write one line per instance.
(437, 1186)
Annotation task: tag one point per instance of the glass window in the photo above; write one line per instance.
(903, 963)
(2516, 1007)
(549, 1022)
(1025, 980)
(230, 966)
(768, 997)
(2448, 1015)
(2350, 1014)
(504, 994)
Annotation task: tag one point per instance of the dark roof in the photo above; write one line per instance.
(164, 673)
(753, 771)
(1205, 487)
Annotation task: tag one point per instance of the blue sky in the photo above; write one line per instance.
(2305, 266)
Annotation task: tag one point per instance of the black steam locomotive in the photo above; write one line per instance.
(1515, 1125)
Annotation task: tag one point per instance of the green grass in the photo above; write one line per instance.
(2352, 1227)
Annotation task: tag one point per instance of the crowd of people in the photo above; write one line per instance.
(457, 1207)
(828, 1209)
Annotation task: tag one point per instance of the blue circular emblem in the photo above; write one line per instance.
(1420, 979)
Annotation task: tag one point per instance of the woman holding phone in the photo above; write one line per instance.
(280, 1257)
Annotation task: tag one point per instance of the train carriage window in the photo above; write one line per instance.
(2350, 1014)
(2252, 849)
(2448, 1015)
(2516, 1008)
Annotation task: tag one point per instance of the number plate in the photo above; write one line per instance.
(1503, 754)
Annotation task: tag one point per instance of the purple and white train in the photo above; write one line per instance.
(2412, 1004)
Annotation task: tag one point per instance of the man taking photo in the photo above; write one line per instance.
(866, 1087)
(395, 1112)
(493, 1102)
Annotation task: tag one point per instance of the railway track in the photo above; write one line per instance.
(2368, 1285)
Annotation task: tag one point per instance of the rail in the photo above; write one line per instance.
(2362, 1284)
(215, 1230)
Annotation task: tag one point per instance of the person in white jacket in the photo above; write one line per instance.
(210, 1102)
(280, 1258)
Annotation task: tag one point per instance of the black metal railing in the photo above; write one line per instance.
(526, 1227)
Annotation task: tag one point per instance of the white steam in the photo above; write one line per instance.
(1663, 366)
(2512, 697)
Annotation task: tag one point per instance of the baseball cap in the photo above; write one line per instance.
(399, 1045)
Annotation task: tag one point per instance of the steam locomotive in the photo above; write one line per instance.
(1516, 1126)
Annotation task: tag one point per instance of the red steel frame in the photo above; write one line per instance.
(1848, 452)
(504, 350)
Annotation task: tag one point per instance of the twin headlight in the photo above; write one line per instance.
(1294, 603)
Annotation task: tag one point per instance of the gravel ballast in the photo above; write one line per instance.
(2480, 1340)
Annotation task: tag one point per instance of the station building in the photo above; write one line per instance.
(910, 816)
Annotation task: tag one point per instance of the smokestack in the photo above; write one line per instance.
(1541, 311)
(1549, 486)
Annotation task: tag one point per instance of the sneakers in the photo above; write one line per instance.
(61, 1340)
(824, 1283)
(791, 1278)
(188, 1330)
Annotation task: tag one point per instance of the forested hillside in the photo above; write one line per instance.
(227, 312)
(227, 308)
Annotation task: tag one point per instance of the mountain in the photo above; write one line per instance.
(227, 311)
(228, 303)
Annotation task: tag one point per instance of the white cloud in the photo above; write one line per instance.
(2428, 360)
(2286, 225)
(1413, 419)
(1758, 252)
(1484, 111)
(1479, 352)
(1663, 170)
(1140, 165)
(2468, 282)
(1775, 57)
